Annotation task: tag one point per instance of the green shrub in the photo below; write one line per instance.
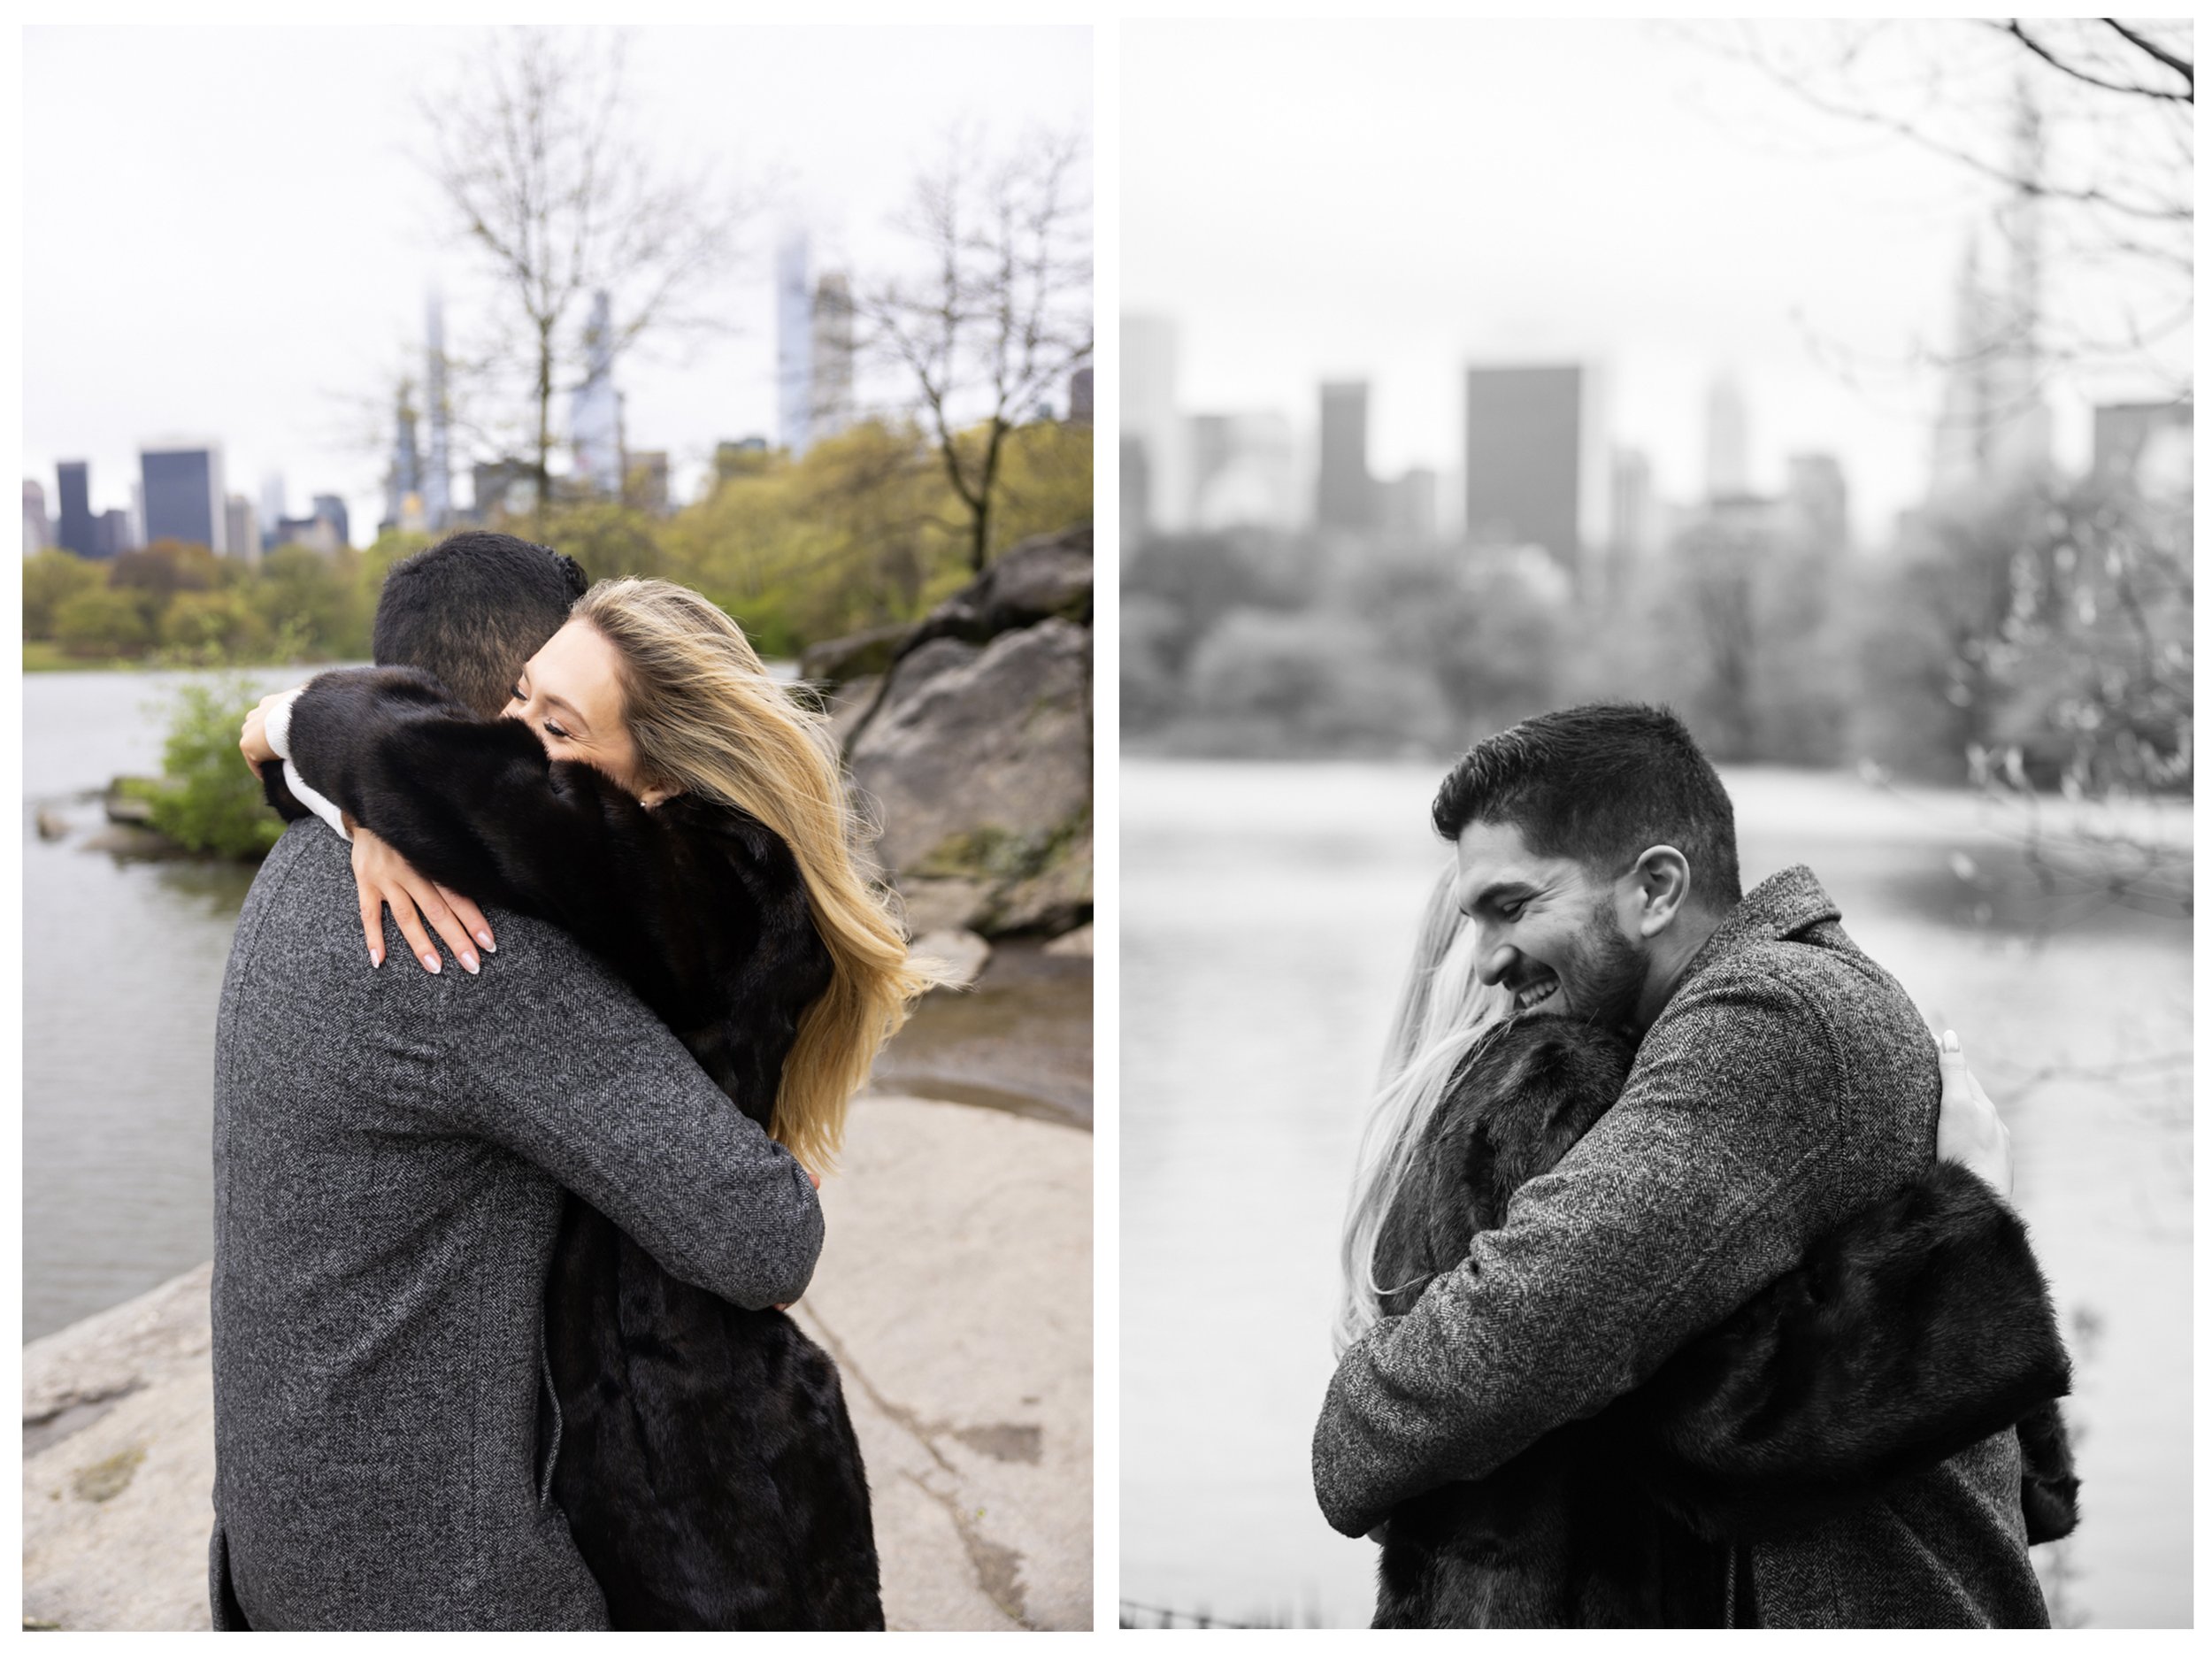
(100, 621)
(209, 800)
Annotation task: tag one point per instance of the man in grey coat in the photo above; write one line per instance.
(1783, 1082)
(391, 1146)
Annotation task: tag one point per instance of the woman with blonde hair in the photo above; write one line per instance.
(651, 789)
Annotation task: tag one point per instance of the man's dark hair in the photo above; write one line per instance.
(1600, 785)
(472, 609)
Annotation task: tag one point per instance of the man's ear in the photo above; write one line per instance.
(1660, 888)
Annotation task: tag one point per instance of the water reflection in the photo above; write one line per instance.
(1266, 914)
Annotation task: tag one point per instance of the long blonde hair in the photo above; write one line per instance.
(1444, 1011)
(708, 719)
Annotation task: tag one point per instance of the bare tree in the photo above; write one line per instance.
(537, 156)
(2112, 164)
(1000, 318)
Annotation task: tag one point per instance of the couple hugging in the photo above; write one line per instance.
(501, 1251)
(1680, 1285)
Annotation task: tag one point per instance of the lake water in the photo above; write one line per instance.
(1267, 914)
(123, 964)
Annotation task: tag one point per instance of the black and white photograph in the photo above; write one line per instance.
(557, 828)
(1655, 878)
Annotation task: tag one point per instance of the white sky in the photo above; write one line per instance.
(224, 235)
(1391, 202)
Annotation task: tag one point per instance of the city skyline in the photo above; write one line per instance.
(290, 299)
(1492, 194)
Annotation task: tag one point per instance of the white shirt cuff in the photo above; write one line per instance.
(276, 727)
(276, 724)
(316, 801)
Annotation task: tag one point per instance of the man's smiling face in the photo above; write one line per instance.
(1547, 929)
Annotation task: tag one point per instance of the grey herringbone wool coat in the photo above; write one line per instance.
(1788, 1083)
(390, 1148)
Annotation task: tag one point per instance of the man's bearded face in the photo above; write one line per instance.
(1548, 929)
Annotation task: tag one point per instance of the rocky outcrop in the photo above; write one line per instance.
(966, 1357)
(864, 654)
(118, 1459)
(977, 749)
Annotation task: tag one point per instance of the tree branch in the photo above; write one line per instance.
(2150, 48)
(2011, 26)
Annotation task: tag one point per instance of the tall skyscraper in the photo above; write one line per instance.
(1152, 417)
(74, 529)
(402, 477)
(38, 533)
(1727, 440)
(184, 493)
(833, 367)
(273, 509)
(241, 530)
(1993, 424)
(1345, 490)
(594, 409)
(437, 476)
(1532, 460)
(794, 346)
(330, 508)
(113, 533)
(1818, 501)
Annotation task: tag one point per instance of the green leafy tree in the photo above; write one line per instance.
(316, 600)
(102, 623)
(208, 799)
(50, 580)
(608, 538)
(215, 627)
(1044, 480)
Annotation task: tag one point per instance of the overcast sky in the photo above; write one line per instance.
(224, 234)
(1392, 202)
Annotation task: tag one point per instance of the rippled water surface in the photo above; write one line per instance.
(1268, 911)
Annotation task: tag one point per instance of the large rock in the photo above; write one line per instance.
(847, 659)
(1046, 578)
(979, 759)
(955, 1291)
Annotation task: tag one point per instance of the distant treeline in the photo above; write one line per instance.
(864, 530)
(2040, 631)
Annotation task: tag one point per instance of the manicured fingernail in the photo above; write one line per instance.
(468, 963)
(430, 963)
(484, 937)
(1950, 1042)
(376, 958)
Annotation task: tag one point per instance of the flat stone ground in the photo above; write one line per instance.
(954, 1292)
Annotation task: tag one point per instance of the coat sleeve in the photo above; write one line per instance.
(1915, 1329)
(476, 804)
(563, 1067)
(1725, 1155)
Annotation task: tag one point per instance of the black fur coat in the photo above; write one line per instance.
(706, 1463)
(1905, 1335)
